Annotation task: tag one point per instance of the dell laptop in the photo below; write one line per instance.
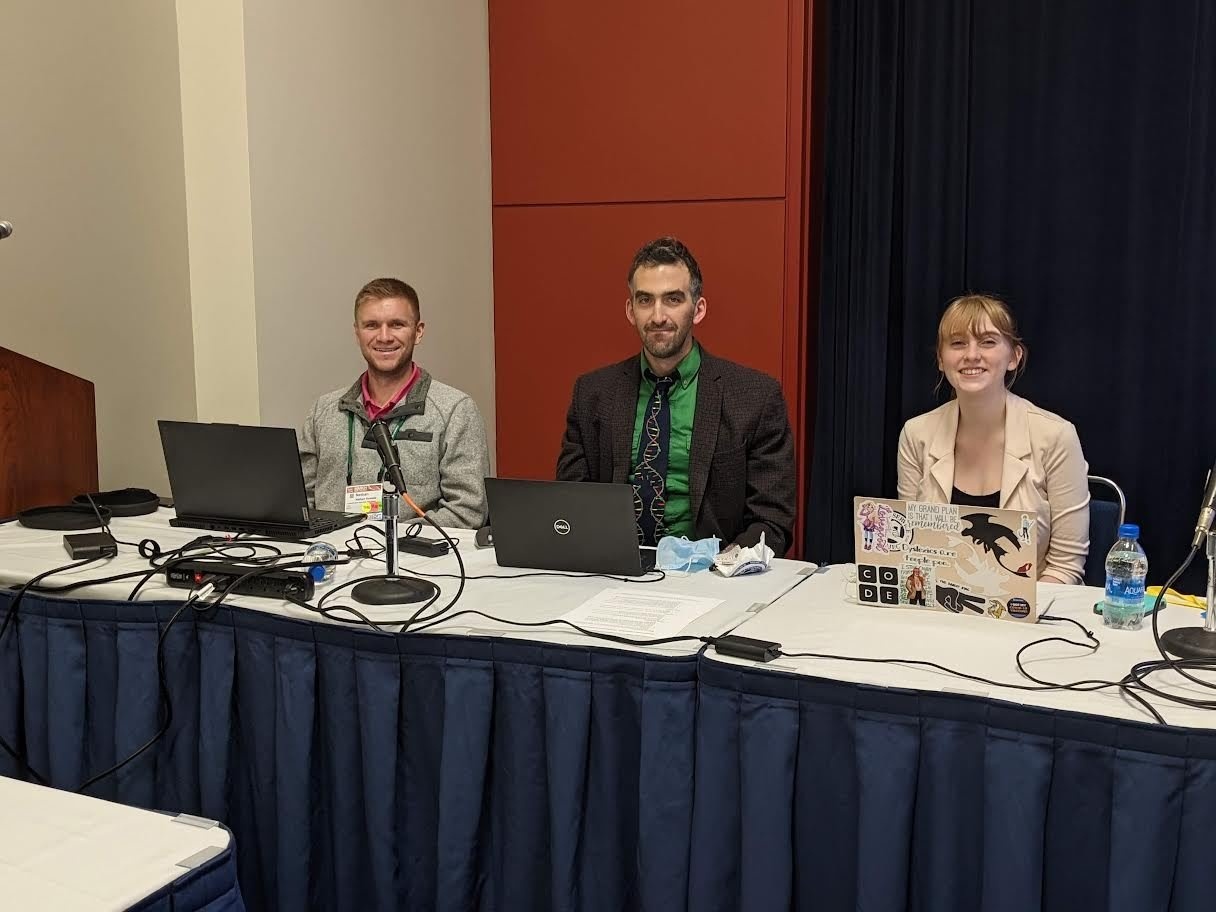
(580, 527)
(243, 479)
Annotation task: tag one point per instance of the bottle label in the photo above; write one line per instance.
(1125, 590)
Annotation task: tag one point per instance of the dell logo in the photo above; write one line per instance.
(561, 527)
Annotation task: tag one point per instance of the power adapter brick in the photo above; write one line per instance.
(746, 648)
(90, 545)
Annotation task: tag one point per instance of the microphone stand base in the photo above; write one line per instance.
(393, 591)
(1190, 643)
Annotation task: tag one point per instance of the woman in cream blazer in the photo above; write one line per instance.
(988, 446)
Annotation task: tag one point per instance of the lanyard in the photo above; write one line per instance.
(350, 446)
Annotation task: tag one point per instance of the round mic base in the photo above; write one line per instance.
(1189, 643)
(393, 591)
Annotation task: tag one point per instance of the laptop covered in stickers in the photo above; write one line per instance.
(966, 560)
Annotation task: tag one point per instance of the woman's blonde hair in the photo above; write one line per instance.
(966, 315)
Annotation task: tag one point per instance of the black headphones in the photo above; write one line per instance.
(126, 502)
(79, 513)
(66, 518)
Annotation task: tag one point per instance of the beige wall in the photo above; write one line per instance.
(369, 155)
(211, 47)
(94, 279)
(198, 193)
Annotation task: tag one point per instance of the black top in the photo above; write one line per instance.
(962, 499)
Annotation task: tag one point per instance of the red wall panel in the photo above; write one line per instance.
(561, 270)
(637, 101)
(612, 124)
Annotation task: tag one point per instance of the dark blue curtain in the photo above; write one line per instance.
(1061, 155)
(365, 771)
(825, 796)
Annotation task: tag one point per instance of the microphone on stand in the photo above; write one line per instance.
(391, 589)
(383, 439)
(1200, 642)
(1207, 511)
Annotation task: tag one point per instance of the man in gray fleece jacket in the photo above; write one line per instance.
(438, 429)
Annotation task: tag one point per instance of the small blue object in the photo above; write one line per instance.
(681, 554)
(320, 551)
(1129, 530)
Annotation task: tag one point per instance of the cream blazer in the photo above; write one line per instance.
(1044, 471)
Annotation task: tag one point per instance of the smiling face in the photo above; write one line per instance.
(662, 309)
(979, 351)
(387, 330)
(975, 363)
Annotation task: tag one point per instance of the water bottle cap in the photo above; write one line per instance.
(1129, 530)
(317, 572)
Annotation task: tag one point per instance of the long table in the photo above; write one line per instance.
(71, 853)
(480, 765)
(484, 765)
(885, 786)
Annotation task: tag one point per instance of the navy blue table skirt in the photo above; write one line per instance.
(362, 771)
(211, 887)
(826, 796)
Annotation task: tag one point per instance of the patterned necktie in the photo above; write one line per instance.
(650, 476)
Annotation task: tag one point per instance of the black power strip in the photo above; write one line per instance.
(275, 584)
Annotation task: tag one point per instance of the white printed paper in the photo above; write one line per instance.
(628, 612)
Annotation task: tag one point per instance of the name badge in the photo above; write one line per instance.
(365, 498)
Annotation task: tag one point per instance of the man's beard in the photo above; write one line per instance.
(660, 348)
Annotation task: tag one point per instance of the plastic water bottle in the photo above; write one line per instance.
(321, 551)
(1126, 569)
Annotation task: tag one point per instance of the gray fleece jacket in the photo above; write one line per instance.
(442, 442)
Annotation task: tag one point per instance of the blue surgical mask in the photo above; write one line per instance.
(682, 554)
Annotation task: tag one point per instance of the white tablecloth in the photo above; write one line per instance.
(25, 553)
(817, 618)
(69, 853)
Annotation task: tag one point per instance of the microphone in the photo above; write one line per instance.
(6, 228)
(388, 453)
(1207, 511)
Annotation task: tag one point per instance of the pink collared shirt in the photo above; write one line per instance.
(375, 411)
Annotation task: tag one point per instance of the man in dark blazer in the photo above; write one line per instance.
(705, 442)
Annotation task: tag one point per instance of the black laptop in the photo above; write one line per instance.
(565, 525)
(244, 479)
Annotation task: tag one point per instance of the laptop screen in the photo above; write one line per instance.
(233, 471)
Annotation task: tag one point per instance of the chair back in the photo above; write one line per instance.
(1105, 518)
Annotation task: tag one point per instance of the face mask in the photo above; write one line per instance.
(682, 554)
(736, 561)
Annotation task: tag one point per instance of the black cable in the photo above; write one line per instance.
(661, 641)
(455, 549)
(1168, 660)
(164, 702)
(659, 576)
(105, 525)
(1092, 643)
(1125, 687)
(165, 561)
(329, 613)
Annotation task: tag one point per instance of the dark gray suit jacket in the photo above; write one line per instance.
(741, 467)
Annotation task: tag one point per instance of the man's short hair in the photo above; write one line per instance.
(667, 251)
(383, 289)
